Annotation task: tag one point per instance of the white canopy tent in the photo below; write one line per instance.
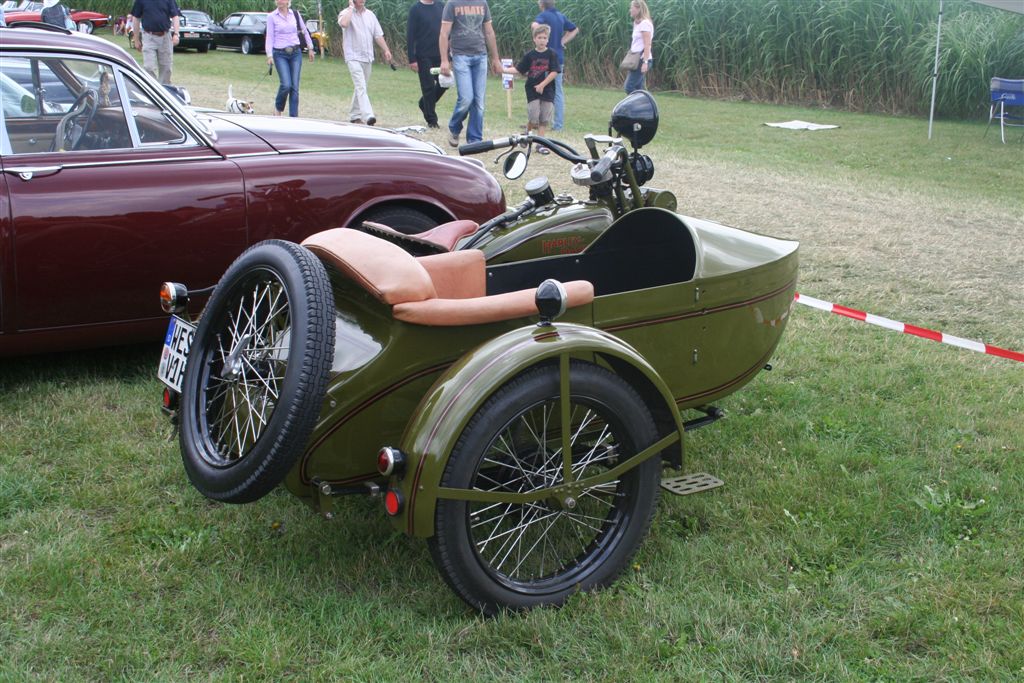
(1008, 5)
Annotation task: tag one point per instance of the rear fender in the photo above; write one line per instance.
(447, 408)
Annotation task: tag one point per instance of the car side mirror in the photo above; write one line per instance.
(515, 165)
(28, 104)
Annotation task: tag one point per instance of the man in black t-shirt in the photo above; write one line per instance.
(540, 67)
(422, 32)
(155, 25)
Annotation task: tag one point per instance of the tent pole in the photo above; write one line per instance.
(935, 72)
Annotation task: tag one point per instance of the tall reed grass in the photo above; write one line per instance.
(863, 55)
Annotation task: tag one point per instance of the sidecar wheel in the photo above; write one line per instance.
(505, 556)
(257, 372)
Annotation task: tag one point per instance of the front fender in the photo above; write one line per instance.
(455, 397)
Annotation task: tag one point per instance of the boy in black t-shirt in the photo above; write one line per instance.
(540, 67)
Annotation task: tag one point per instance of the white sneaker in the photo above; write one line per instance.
(453, 139)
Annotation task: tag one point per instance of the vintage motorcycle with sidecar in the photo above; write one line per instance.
(529, 454)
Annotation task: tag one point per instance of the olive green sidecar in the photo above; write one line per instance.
(528, 454)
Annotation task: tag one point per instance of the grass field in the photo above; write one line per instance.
(871, 526)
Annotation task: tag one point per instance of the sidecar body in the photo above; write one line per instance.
(690, 309)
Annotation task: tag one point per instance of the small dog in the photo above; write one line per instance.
(237, 106)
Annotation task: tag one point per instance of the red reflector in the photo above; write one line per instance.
(167, 398)
(393, 502)
(384, 463)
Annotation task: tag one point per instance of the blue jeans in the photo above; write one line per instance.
(559, 103)
(289, 70)
(635, 79)
(470, 73)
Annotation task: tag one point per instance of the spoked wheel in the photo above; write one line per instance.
(516, 556)
(257, 372)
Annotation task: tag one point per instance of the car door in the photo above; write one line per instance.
(107, 204)
(231, 36)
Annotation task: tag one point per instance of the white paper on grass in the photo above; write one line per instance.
(801, 125)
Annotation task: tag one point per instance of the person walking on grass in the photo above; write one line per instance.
(284, 51)
(467, 34)
(643, 34)
(422, 33)
(540, 67)
(360, 30)
(155, 34)
(562, 31)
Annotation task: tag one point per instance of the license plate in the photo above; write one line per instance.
(176, 346)
(191, 35)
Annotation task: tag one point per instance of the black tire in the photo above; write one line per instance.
(204, 48)
(254, 383)
(474, 547)
(246, 45)
(402, 219)
(213, 46)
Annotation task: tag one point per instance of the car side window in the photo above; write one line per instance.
(61, 105)
(233, 20)
(151, 122)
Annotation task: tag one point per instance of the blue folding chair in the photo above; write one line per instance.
(1007, 104)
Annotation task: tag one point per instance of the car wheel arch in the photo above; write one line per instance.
(435, 210)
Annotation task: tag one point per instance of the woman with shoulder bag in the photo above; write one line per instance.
(286, 36)
(639, 58)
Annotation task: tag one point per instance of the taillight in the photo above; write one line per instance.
(390, 461)
(170, 400)
(173, 297)
(393, 502)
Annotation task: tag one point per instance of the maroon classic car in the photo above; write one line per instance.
(32, 10)
(110, 186)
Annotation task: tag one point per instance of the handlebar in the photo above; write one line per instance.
(484, 146)
(606, 161)
(560, 148)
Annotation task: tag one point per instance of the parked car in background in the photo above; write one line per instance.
(31, 10)
(320, 37)
(110, 186)
(244, 31)
(193, 17)
(195, 31)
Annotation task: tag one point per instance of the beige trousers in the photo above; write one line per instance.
(158, 55)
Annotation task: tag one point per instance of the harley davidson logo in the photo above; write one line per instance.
(562, 245)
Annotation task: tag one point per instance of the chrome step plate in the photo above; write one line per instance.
(691, 483)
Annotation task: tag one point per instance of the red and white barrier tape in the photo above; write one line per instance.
(907, 329)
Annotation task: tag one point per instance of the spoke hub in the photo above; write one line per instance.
(233, 363)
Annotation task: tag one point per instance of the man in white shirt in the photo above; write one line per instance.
(360, 30)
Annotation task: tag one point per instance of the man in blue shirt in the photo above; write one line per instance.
(562, 31)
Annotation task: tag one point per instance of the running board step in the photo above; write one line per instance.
(691, 483)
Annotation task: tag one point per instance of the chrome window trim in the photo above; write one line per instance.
(204, 135)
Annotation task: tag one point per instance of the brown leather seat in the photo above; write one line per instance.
(440, 290)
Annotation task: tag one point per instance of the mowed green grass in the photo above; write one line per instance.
(870, 527)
